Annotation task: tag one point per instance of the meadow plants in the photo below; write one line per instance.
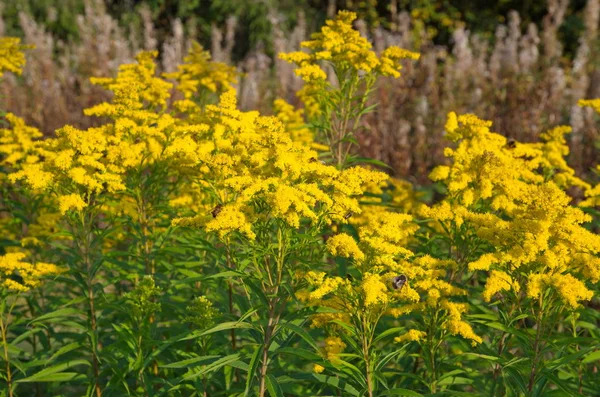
(185, 247)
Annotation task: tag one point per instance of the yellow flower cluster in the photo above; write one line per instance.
(393, 279)
(501, 192)
(19, 276)
(244, 159)
(412, 335)
(570, 289)
(138, 93)
(593, 193)
(19, 143)
(333, 347)
(199, 72)
(592, 103)
(343, 46)
(345, 246)
(295, 125)
(71, 201)
(82, 163)
(499, 281)
(12, 58)
(488, 166)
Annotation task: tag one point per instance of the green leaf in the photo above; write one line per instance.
(221, 327)
(334, 381)
(593, 356)
(214, 366)
(53, 373)
(516, 378)
(58, 315)
(26, 335)
(273, 386)
(455, 380)
(484, 356)
(252, 369)
(65, 349)
(302, 333)
(558, 383)
(307, 355)
(559, 362)
(366, 160)
(58, 377)
(384, 360)
(191, 362)
(388, 332)
(401, 392)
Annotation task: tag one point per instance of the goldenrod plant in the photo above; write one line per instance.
(336, 108)
(186, 247)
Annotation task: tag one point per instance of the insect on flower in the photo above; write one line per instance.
(217, 210)
(314, 160)
(399, 281)
(348, 215)
(511, 144)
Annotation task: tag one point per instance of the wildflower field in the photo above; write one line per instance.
(185, 247)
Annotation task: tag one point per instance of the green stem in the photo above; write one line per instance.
(271, 324)
(274, 311)
(91, 301)
(366, 350)
(536, 345)
(432, 347)
(4, 332)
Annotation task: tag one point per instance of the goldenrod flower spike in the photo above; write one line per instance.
(12, 58)
(17, 275)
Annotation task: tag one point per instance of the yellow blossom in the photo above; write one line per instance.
(71, 201)
(20, 276)
(345, 246)
(12, 58)
(412, 335)
(498, 281)
(199, 71)
(375, 291)
(462, 328)
(333, 347)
